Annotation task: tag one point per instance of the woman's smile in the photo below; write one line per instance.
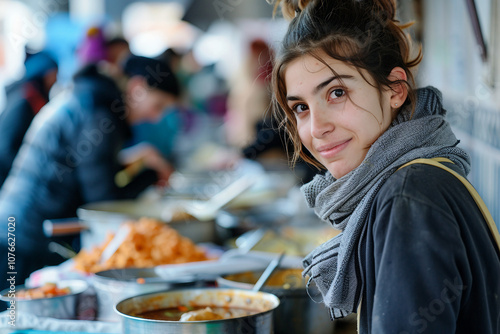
(330, 151)
(338, 116)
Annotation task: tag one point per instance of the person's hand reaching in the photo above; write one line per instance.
(144, 155)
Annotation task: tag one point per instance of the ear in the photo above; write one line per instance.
(399, 91)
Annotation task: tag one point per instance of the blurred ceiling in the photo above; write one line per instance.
(200, 13)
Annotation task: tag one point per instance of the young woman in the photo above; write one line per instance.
(416, 254)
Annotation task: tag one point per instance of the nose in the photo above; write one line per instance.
(321, 121)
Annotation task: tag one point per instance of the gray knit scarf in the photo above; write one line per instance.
(345, 202)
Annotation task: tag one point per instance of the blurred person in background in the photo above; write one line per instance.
(117, 50)
(250, 96)
(92, 48)
(70, 155)
(249, 125)
(187, 126)
(109, 53)
(25, 98)
(162, 133)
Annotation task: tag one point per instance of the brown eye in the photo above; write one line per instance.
(299, 108)
(336, 93)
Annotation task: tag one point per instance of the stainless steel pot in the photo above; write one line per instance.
(96, 220)
(112, 286)
(59, 307)
(104, 217)
(260, 323)
(297, 312)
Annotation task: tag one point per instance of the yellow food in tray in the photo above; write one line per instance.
(148, 243)
(295, 241)
(285, 278)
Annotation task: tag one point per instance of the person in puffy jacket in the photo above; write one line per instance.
(25, 98)
(70, 155)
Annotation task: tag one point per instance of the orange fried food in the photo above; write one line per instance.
(45, 291)
(149, 243)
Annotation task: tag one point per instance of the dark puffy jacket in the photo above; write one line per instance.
(68, 158)
(24, 100)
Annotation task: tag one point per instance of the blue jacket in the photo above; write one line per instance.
(68, 158)
(429, 261)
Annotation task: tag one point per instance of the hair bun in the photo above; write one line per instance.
(290, 8)
(385, 8)
(303, 4)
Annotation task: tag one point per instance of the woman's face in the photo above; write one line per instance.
(336, 129)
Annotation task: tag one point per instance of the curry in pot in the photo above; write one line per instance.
(196, 313)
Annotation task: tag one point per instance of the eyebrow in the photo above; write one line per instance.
(322, 85)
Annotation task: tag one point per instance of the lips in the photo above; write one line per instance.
(332, 149)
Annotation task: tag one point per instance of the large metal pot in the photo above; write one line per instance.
(260, 323)
(104, 217)
(96, 220)
(297, 312)
(112, 286)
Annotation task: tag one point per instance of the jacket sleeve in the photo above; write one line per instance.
(96, 150)
(418, 256)
(15, 121)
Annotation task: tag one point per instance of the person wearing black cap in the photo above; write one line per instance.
(70, 154)
(24, 99)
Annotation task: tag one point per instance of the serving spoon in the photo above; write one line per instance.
(268, 272)
(207, 210)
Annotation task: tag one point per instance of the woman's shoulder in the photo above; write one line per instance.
(425, 186)
(425, 200)
(421, 179)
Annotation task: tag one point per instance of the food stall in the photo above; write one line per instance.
(136, 257)
(185, 257)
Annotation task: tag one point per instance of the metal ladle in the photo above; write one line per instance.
(207, 210)
(268, 272)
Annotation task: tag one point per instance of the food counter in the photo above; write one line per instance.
(150, 242)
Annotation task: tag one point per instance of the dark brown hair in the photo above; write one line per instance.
(362, 33)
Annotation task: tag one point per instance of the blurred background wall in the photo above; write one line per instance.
(453, 62)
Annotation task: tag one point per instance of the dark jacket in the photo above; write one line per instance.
(68, 158)
(430, 263)
(24, 100)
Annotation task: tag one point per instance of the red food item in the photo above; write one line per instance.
(45, 291)
(183, 308)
